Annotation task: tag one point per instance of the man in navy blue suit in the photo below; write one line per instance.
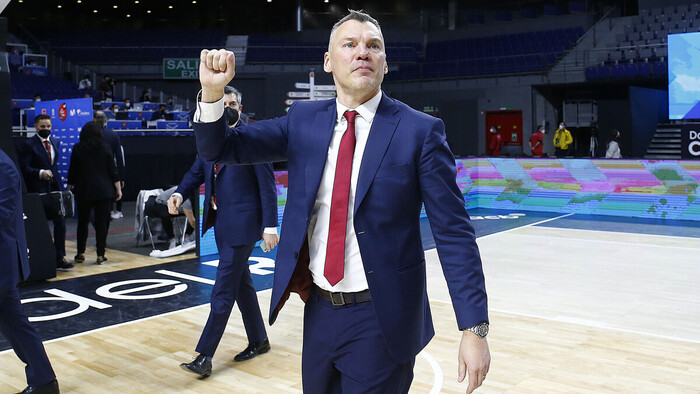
(360, 167)
(14, 265)
(241, 201)
(38, 160)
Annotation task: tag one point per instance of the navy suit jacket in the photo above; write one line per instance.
(13, 244)
(406, 163)
(33, 158)
(246, 199)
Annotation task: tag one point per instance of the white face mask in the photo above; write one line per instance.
(561, 127)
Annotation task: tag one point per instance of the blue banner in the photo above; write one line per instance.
(67, 119)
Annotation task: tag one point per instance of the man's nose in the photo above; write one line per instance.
(362, 52)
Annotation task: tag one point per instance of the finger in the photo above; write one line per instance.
(473, 382)
(210, 60)
(461, 371)
(203, 56)
(223, 56)
(230, 65)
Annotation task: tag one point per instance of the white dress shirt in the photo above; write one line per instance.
(53, 152)
(354, 278)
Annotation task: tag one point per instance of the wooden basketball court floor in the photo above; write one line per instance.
(577, 304)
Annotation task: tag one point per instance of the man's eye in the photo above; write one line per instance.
(348, 44)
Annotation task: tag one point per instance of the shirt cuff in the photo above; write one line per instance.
(41, 172)
(209, 112)
(270, 230)
(176, 194)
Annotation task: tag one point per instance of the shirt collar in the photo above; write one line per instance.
(366, 110)
(43, 139)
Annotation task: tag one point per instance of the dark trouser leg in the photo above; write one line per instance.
(83, 208)
(25, 341)
(155, 210)
(59, 237)
(223, 295)
(344, 351)
(247, 301)
(101, 209)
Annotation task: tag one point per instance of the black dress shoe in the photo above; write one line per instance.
(253, 350)
(201, 366)
(62, 263)
(48, 388)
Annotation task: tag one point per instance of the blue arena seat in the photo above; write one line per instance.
(125, 124)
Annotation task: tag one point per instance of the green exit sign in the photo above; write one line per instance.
(181, 68)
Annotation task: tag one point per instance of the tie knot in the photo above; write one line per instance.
(350, 116)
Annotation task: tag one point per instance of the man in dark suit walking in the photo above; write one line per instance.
(38, 160)
(14, 264)
(360, 167)
(240, 202)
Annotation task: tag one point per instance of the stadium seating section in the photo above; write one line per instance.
(641, 49)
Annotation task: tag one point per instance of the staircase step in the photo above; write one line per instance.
(655, 145)
(663, 157)
(663, 151)
(665, 140)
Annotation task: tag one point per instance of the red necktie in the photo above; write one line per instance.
(335, 250)
(48, 149)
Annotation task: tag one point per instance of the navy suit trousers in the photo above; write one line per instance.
(233, 284)
(24, 339)
(344, 351)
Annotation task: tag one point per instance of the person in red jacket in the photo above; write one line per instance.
(536, 142)
(495, 143)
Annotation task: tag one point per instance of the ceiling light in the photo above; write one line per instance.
(114, 6)
(194, 1)
(94, 11)
(128, 15)
(136, 2)
(171, 7)
(269, 1)
(59, 6)
(148, 12)
(80, 1)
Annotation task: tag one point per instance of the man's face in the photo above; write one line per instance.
(231, 101)
(356, 58)
(43, 124)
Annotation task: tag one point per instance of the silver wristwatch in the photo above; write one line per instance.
(481, 330)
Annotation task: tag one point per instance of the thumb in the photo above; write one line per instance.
(462, 371)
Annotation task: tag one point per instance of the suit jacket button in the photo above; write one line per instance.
(296, 255)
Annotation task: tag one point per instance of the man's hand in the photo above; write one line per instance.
(216, 69)
(473, 356)
(121, 183)
(271, 240)
(174, 203)
(46, 174)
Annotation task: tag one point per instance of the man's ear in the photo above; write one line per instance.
(327, 63)
(386, 67)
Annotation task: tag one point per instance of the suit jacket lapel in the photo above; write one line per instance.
(319, 138)
(380, 134)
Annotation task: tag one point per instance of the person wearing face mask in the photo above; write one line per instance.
(495, 142)
(38, 158)
(242, 207)
(562, 141)
(613, 150)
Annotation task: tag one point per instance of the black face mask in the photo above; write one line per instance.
(43, 133)
(231, 116)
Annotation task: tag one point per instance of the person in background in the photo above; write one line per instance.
(170, 105)
(85, 83)
(242, 207)
(159, 114)
(495, 142)
(157, 207)
(14, 325)
(107, 88)
(38, 159)
(536, 141)
(613, 149)
(562, 141)
(127, 104)
(145, 97)
(112, 139)
(37, 97)
(93, 178)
